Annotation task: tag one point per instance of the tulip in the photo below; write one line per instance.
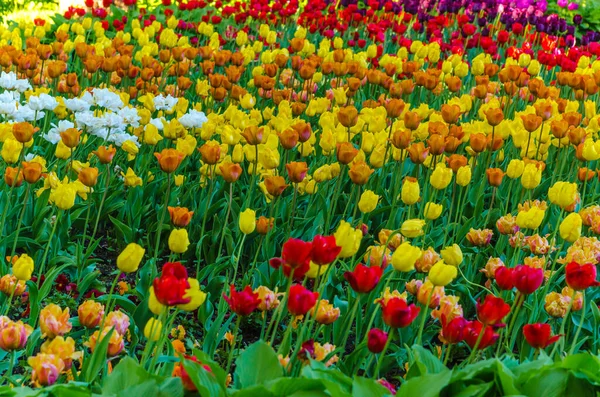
(348, 116)
(13, 335)
(326, 313)
(531, 218)
(105, 154)
(410, 191)
(412, 228)
(172, 285)
(494, 176)
(247, 221)
(263, 225)
(346, 152)
(153, 329)
(169, 159)
(70, 137)
(563, 194)
(570, 227)
(432, 210)
(492, 310)
(90, 313)
(230, 171)
(253, 135)
(88, 176)
(64, 196)
(376, 340)
(539, 335)
(210, 152)
(46, 368)
(452, 255)
(301, 300)
(418, 153)
(472, 333)
(442, 274)
(364, 278)
(23, 131)
(368, 201)
(275, 185)
(405, 257)
(580, 277)
(62, 348)
(296, 171)
(23, 267)
(441, 176)
(118, 320)
(180, 216)
(178, 241)
(13, 177)
(453, 331)
(324, 250)
(54, 321)
(515, 168)
(527, 279)
(129, 260)
(348, 238)
(195, 295)
(397, 313)
(532, 176)
(11, 150)
(504, 278)
(463, 176)
(32, 172)
(360, 172)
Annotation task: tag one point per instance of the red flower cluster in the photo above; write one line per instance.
(492, 311)
(296, 255)
(526, 279)
(580, 277)
(397, 313)
(364, 278)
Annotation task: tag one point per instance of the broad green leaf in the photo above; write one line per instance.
(256, 365)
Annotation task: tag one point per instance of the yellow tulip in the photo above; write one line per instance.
(405, 257)
(348, 238)
(368, 201)
(247, 221)
(442, 274)
(179, 241)
(412, 228)
(129, 260)
(452, 255)
(570, 227)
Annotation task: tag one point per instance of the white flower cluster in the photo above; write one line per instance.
(111, 123)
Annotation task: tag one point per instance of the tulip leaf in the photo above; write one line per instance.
(365, 387)
(93, 364)
(429, 385)
(124, 230)
(205, 381)
(256, 365)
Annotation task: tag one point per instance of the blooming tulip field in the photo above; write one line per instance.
(271, 198)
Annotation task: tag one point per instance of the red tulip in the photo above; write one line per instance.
(527, 279)
(397, 313)
(376, 340)
(539, 335)
(504, 278)
(364, 278)
(242, 303)
(580, 277)
(170, 287)
(492, 311)
(472, 331)
(324, 250)
(296, 253)
(298, 272)
(453, 331)
(307, 350)
(301, 300)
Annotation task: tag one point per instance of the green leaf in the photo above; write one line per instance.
(288, 386)
(550, 383)
(479, 390)
(425, 386)
(92, 365)
(424, 363)
(205, 381)
(124, 230)
(49, 281)
(365, 387)
(256, 365)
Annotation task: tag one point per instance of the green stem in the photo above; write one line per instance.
(43, 261)
(580, 325)
(14, 247)
(424, 317)
(101, 202)
(235, 333)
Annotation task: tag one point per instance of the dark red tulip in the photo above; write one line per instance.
(504, 278)
(298, 272)
(301, 300)
(492, 311)
(364, 278)
(580, 277)
(170, 287)
(539, 335)
(472, 331)
(307, 350)
(324, 250)
(376, 340)
(527, 279)
(244, 302)
(453, 331)
(397, 313)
